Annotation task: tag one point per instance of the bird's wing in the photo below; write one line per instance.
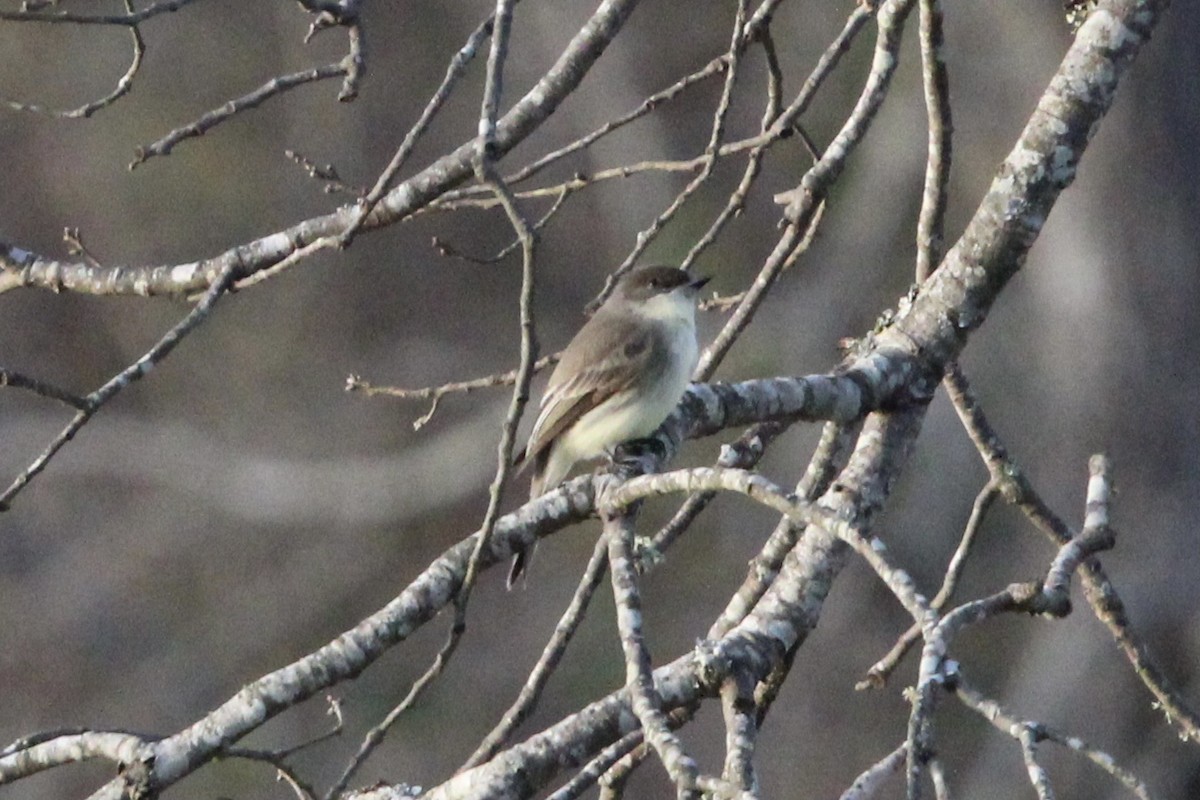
(576, 388)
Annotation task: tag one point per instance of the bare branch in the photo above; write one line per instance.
(354, 383)
(878, 674)
(1101, 595)
(639, 682)
(645, 237)
(1037, 773)
(931, 222)
(124, 83)
(589, 775)
(277, 757)
(21, 760)
(741, 731)
(131, 374)
(19, 381)
(737, 200)
(454, 71)
(129, 18)
(1010, 725)
(552, 654)
(896, 376)
(789, 248)
(75, 246)
(1051, 597)
(756, 28)
(446, 249)
(743, 454)
(20, 267)
(826, 462)
(487, 173)
(379, 731)
(209, 120)
(869, 785)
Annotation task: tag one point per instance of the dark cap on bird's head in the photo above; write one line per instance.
(646, 282)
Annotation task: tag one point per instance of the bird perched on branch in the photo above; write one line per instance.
(618, 379)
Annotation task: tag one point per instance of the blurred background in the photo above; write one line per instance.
(237, 508)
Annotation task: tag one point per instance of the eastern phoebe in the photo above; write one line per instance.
(618, 379)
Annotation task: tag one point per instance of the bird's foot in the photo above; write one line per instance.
(638, 455)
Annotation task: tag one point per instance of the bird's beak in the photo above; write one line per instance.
(698, 284)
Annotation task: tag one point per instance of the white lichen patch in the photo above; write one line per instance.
(276, 243)
(184, 273)
(1102, 26)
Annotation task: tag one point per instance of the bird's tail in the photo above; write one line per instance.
(537, 485)
(520, 565)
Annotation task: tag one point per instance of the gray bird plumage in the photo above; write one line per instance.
(618, 379)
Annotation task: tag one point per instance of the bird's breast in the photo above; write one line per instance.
(639, 411)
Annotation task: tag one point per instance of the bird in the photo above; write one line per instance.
(619, 378)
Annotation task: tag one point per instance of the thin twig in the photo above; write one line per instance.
(613, 781)
(936, 83)
(288, 775)
(487, 173)
(1101, 595)
(803, 204)
(590, 774)
(552, 654)
(326, 173)
(282, 753)
(827, 460)
(1036, 772)
(376, 734)
(292, 259)
(129, 18)
(786, 251)
(789, 247)
(446, 249)
(283, 771)
(458, 65)
(878, 674)
(771, 116)
(462, 198)
(131, 374)
(714, 67)
(1049, 596)
(124, 84)
(355, 383)
(75, 246)
(744, 453)
(754, 29)
(1007, 723)
(737, 200)
(209, 120)
(41, 388)
(708, 163)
